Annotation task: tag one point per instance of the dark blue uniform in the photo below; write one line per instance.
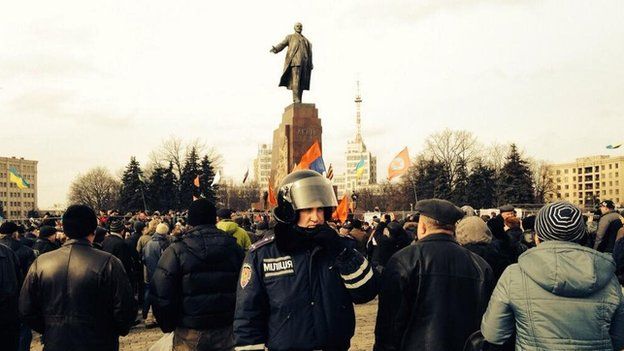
(300, 300)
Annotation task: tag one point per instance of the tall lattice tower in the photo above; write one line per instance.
(358, 109)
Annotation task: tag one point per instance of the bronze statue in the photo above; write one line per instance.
(298, 64)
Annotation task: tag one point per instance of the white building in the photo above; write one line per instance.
(357, 153)
(262, 166)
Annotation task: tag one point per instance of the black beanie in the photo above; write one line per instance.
(46, 231)
(79, 221)
(8, 228)
(201, 212)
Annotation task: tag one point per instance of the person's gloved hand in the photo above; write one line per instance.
(327, 238)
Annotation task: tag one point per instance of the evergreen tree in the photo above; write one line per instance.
(190, 170)
(481, 185)
(131, 195)
(205, 179)
(515, 181)
(162, 189)
(459, 195)
(431, 180)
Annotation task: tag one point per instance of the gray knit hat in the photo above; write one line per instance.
(560, 221)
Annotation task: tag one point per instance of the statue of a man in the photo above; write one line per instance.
(298, 64)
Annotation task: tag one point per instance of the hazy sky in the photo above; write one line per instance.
(92, 83)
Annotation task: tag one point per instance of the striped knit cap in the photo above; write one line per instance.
(560, 221)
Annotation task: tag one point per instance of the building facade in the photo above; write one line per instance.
(357, 153)
(17, 202)
(262, 166)
(588, 180)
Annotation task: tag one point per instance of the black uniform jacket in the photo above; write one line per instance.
(78, 297)
(300, 299)
(433, 296)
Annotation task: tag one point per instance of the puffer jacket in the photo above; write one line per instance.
(152, 251)
(240, 234)
(194, 285)
(79, 298)
(560, 296)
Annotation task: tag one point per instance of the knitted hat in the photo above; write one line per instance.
(224, 213)
(79, 221)
(139, 226)
(8, 228)
(46, 231)
(201, 212)
(472, 230)
(560, 221)
(162, 229)
(116, 226)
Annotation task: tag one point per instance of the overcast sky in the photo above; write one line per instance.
(92, 83)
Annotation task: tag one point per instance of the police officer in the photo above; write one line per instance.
(298, 284)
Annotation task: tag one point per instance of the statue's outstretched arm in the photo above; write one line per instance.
(279, 47)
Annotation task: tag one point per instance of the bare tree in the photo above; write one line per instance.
(494, 155)
(175, 150)
(544, 184)
(96, 188)
(451, 147)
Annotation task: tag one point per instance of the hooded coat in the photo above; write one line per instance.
(559, 296)
(194, 285)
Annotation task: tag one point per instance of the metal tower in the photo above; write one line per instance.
(358, 103)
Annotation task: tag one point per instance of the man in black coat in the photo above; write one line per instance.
(78, 297)
(8, 237)
(116, 245)
(10, 282)
(193, 290)
(434, 292)
(46, 241)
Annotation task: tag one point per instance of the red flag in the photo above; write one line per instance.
(399, 164)
(271, 197)
(196, 181)
(342, 211)
(310, 156)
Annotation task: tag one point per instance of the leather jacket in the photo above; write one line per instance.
(433, 296)
(79, 298)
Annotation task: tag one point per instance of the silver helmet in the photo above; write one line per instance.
(301, 190)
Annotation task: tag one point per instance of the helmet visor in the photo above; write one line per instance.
(312, 192)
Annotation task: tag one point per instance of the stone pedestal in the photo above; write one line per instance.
(299, 129)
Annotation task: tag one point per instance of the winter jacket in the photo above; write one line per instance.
(618, 256)
(240, 234)
(560, 296)
(79, 298)
(608, 227)
(10, 283)
(143, 240)
(297, 295)
(25, 254)
(42, 246)
(388, 246)
(491, 254)
(152, 252)
(118, 247)
(194, 284)
(433, 296)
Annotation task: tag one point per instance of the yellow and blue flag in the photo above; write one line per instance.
(611, 147)
(359, 168)
(18, 179)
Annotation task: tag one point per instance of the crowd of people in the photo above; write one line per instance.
(446, 277)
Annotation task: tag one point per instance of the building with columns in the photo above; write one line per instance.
(262, 166)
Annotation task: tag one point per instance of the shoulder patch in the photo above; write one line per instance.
(262, 242)
(245, 275)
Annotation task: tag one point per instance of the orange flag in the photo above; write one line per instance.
(271, 198)
(310, 156)
(196, 181)
(399, 164)
(342, 211)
